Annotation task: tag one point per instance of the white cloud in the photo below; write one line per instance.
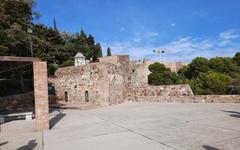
(152, 34)
(137, 39)
(181, 49)
(230, 34)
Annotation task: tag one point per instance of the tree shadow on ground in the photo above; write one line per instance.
(3, 143)
(207, 147)
(56, 119)
(29, 146)
(233, 113)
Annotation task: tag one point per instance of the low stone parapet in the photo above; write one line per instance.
(190, 99)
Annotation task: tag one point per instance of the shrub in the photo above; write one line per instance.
(52, 68)
(210, 83)
(160, 75)
(68, 63)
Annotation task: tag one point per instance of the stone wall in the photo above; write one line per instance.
(114, 59)
(148, 92)
(114, 80)
(75, 84)
(189, 99)
(17, 102)
(103, 83)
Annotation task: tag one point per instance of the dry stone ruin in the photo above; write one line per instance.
(112, 80)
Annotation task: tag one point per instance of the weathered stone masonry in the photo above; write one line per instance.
(112, 80)
(115, 79)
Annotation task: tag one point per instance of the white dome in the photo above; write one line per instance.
(79, 55)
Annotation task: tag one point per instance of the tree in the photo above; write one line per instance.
(224, 65)
(198, 65)
(91, 44)
(236, 58)
(54, 25)
(15, 19)
(160, 75)
(184, 72)
(109, 52)
(210, 83)
(52, 68)
(99, 50)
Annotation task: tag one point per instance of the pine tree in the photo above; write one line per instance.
(109, 52)
(80, 43)
(99, 50)
(54, 25)
(92, 52)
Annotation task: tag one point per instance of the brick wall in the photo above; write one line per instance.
(41, 96)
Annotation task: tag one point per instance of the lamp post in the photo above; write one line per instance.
(29, 30)
(158, 52)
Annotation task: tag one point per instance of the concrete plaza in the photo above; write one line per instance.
(131, 126)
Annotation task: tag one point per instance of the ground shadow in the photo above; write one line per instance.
(233, 113)
(29, 146)
(3, 143)
(207, 147)
(56, 119)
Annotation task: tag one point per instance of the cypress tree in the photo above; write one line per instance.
(91, 43)
(109, 52)
(99, 50)
(54, 24)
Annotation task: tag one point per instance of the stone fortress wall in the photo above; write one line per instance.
(112, 80)
(116, 79)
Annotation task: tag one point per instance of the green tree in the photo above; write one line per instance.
(99, 50)
(184, 72)
(197, 66)
(52, 68)
(68, 63)
(236, 58)
(91, 44)
(224, 65)
(109, 52)
(210, 83)
(55, 24)
(15, 19)
(160, 75)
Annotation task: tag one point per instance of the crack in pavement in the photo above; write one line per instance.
(130, 130)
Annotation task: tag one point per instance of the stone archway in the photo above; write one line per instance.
(40, 89)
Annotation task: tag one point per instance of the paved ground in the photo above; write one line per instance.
(132, 126)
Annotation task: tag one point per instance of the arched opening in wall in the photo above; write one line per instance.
(66, 96)
(86, 96)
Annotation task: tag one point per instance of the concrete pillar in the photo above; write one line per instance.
(41, 95)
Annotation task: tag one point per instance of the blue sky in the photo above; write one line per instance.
(185, 29)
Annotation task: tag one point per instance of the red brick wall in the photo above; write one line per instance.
(41, 96)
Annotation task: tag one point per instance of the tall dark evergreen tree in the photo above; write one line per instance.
(109, 52)
(54, 24)
(99, 50)
(92, 52)
(15, 19)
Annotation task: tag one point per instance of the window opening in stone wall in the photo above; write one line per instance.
(86, 96)
(66, 96)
